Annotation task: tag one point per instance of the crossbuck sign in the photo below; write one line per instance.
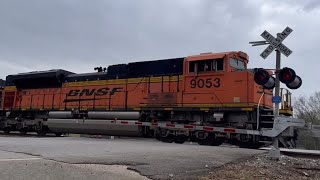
(276, 43)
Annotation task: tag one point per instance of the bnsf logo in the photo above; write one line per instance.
(96, 92)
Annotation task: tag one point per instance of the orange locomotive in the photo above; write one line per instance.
(208, 89)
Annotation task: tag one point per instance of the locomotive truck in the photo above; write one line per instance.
(208, 98)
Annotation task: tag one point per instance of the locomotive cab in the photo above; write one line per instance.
(222, 86)
(221, 80)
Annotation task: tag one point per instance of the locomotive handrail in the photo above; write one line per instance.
(281, 123)
(285, 98)
(258, 111)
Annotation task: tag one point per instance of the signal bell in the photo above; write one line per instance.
(288, 76)
(263, 78)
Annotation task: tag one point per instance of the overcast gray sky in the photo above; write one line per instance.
(78, 35)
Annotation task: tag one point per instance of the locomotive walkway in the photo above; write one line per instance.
(88, 158)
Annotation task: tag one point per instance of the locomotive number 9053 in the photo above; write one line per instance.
(205, 83)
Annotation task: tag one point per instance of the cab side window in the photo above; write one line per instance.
(206, 66)
(237, 64)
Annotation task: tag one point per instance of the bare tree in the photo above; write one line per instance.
(308, 108)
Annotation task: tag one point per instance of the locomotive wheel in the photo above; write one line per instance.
(181, 139)
(201, 138)
(216, 142)
(210, 140)
(169, 139)
(205, 142)
(247, 141)
(164, 136)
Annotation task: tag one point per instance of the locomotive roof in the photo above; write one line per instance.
(171, 66)
(87, 76)
(219, 55)
(46, 72)
(157, 60)
(38, 79)
(207, 56)
(55, 77)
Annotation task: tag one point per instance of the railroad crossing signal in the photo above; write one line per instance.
(276, 43)
(285, 75)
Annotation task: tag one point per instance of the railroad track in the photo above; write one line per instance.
(301, 155)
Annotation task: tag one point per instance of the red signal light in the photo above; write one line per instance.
(263, 78)
(287, 75)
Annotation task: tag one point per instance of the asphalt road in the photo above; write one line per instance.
(27, 167)
(89, 158)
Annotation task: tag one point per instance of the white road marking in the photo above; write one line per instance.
(20, 159)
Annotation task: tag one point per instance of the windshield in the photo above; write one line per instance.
(237, 64)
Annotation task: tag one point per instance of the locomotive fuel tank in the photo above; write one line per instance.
(96, 123)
